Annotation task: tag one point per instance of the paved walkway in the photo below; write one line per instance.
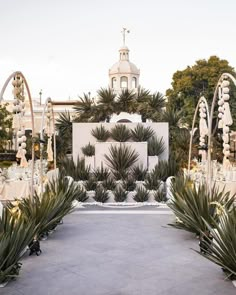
(119, 254)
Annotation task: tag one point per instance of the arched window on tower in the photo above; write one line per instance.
(123, 82)
(113, 83)
(134, 82)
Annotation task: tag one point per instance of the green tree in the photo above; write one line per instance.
(189, 84)
(64, 138)
(152, 107)
(85, 109)
(5, 126)
(106, 103)
(127, 101)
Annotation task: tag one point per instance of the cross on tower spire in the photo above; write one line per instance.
(124, 32)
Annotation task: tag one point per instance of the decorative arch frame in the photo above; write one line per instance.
(18, 73)
(223, 77)
(201, 99)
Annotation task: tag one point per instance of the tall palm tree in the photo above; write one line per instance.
(85, 109)
(106, 103)
(127, 101)
(152, 106)
(64, 139)
(64, 124)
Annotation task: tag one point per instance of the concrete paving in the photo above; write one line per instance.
(119, 254)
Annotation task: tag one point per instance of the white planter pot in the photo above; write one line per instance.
(111, 197)
(152, 162)
(139, 184)
(90, 161)
(80, 183)
(151, 198)
(90, 195)
(130, 197)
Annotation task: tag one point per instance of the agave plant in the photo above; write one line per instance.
(194, 206)
(120, 133)
(139, 173)
(100, 133)
(85, 109)
(88, 150)
(81, 196)
(165, 169)
(120, 160)
(141, 133)
(129, 184)
(101, 173)
(90, 184)
(155, 146)
(101, 195)
(49, 209)
(15, 235)
(77, 171)
(109, 184)
(152, 182)
(160, 195)
(120, 194)
(141, 195)
(223, 250)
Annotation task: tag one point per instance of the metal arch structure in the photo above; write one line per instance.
(201, 99)
(18, 73)
(222, 77)
(42, 140)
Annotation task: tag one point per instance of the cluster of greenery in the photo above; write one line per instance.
(121, 161)
(206, 214)
(29, 219)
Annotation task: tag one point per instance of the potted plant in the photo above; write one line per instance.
(89, 153)
(141, 133)
(100, 133)
(155, 148)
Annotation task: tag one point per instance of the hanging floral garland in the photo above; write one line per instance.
(18, 114)
(225, 118)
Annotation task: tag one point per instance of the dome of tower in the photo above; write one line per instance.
(124, 66)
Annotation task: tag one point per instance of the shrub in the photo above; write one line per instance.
(48, 209)
(120, 159)
(152, 182)
(120, 194)
(141, 133)
(165, 169)
(100, 133)
(77, 171)
(141, 195)
(90, 184)
(120, 133)
(15, 235)
(223, 250)
(101, 173)
(139, 173)
(88, 150)
(160, 195)
(129, 184)
(155, 146)
(101, 195)
(109, 184)
(81, 196)
(192, 205)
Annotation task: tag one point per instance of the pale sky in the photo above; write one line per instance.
(65, 47)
